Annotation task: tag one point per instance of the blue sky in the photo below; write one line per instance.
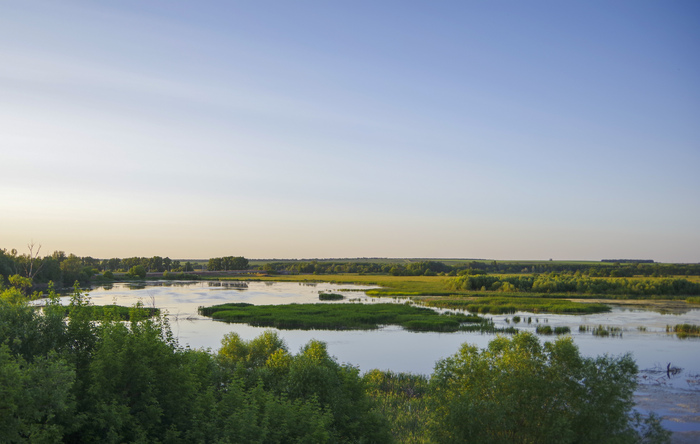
(501, 129)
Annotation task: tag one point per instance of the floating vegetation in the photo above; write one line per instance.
(684, 330)
(344, 317)
(516, 319)
(601, 330)
(507, 305)
(548, 330)
(330, 297)
(641, 328)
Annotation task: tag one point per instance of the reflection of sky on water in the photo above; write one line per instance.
(392, 347)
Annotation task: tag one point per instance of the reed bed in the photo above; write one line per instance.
(684, 330)
(548, 330)
(509, 305)
(330, 297)
(341, 316)
(601, 330)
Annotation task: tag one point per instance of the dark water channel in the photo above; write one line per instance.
(675, 395)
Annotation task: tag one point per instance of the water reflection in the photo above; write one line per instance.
(391, 347)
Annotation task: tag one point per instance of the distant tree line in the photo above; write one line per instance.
(66, 269)
(560, 283)
(432, 268)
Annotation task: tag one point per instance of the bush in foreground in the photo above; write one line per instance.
(520, 391)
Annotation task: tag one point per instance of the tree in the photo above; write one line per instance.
(137, 271)
(33, 264)
(214, 264)
(517, 390)
(156, 264)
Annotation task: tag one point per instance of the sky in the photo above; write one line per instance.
(337, 129)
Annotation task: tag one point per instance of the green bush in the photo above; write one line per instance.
(518, 390)
(137, 271)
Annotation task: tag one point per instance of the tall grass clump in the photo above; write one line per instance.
(684, 330)
(548, 330)
(330, 297)
(601, 330)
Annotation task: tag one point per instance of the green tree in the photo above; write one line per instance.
(519, 391)
(215, 264)
(138, 271)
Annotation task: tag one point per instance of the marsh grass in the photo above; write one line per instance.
(601, 330)
(341, 316)
(509, 305)
(684, 330)
(330, 297)
(548, 330)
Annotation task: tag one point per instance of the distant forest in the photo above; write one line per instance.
(65, 269)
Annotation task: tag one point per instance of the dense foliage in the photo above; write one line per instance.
(227, 263)
(457, 268)
(518, 390)
(557, 283)
(115, 381)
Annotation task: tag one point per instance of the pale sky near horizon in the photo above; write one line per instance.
(311, 129)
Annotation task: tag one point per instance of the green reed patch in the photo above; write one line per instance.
(330, 297)
(508, 305)
(601, 330)
(684, 330)
(548, 330)
(340, 316)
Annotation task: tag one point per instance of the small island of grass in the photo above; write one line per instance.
(507, 305)
(330, 297)
(344, 317)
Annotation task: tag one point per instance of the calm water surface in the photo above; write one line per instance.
(392, 347)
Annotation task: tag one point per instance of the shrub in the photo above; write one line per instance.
(518, 390)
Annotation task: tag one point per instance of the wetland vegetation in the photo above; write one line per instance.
(684, 330)
(342, 316)
(508, 305)
(115, 381)
(330, 297)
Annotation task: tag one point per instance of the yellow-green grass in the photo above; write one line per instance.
(501, 305)
(412, 286)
